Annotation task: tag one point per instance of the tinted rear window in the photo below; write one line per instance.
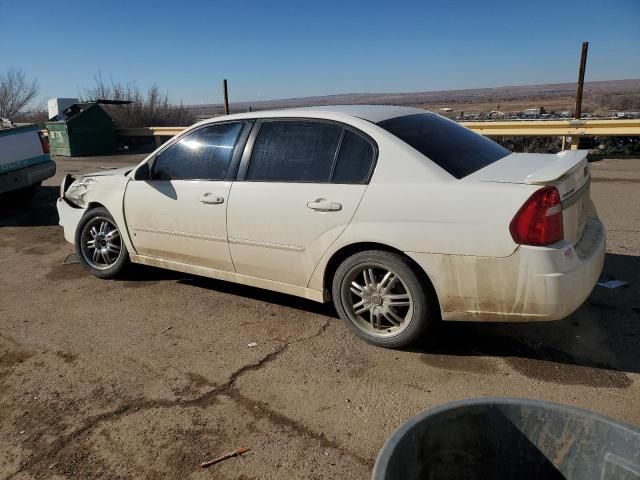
(453, 147)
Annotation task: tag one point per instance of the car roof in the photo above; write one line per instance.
(371, 113)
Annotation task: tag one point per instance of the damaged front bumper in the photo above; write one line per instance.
(71, 205)
(70, 216)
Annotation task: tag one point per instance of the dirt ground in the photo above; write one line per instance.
(147, 376)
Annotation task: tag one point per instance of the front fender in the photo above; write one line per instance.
(105, 191)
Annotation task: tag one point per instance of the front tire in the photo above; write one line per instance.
(381, 298)
(99, 245)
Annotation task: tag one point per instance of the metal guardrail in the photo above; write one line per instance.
(557, 128)
(157, 132)
(150, 131)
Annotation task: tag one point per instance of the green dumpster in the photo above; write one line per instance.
(82, 129)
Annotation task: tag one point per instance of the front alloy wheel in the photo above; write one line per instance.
(99, 244)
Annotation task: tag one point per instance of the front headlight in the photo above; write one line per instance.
(76, 191)
(66, 181)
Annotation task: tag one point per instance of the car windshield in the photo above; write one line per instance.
(456, 149)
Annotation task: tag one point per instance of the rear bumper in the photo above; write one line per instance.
(69, 218)
(25, 177)
(535, 283)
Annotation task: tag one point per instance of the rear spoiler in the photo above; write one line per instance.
(567, 160)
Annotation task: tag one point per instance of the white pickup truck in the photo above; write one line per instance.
(24, 158)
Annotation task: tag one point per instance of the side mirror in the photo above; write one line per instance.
(143, 172)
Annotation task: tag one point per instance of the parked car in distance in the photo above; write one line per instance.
(397, 215)
(24, 159)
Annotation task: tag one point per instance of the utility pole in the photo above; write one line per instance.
(226, 96)
(583, 66)
(577, 111)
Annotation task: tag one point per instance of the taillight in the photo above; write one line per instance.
(539, 220)
(44, 143)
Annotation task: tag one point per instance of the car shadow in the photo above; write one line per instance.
(268, 296)
(144, 273)
(19, 212)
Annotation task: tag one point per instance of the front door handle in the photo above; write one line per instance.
(322, 205)
(211, 198)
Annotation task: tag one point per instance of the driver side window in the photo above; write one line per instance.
(204, 154)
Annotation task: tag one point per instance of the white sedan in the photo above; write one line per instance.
(397, 215)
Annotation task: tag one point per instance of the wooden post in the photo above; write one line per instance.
(583, 66)
(575, 142)
(226, 96)
(577, 112)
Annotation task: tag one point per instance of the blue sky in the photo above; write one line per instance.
(281, 49)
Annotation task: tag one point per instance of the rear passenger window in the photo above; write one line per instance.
(204, 154)
(354, 160)
(448, 144)
(294, 151)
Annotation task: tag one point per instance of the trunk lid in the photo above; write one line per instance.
(568, 171)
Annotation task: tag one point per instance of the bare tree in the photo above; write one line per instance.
(150, 108)
(16, 92)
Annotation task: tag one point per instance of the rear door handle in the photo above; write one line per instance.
(322, 205)
(211, 198)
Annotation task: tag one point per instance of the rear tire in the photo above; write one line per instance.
(382, 298)
(99, 245)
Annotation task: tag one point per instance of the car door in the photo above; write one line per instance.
(179, 213)
(297, 190)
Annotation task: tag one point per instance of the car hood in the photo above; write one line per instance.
(77, 189)
(108, 172)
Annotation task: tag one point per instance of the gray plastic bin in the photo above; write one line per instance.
(506, 438)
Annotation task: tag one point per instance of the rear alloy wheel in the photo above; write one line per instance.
(99, 244)
(381, 298)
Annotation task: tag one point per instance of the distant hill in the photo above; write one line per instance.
(599, 97)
